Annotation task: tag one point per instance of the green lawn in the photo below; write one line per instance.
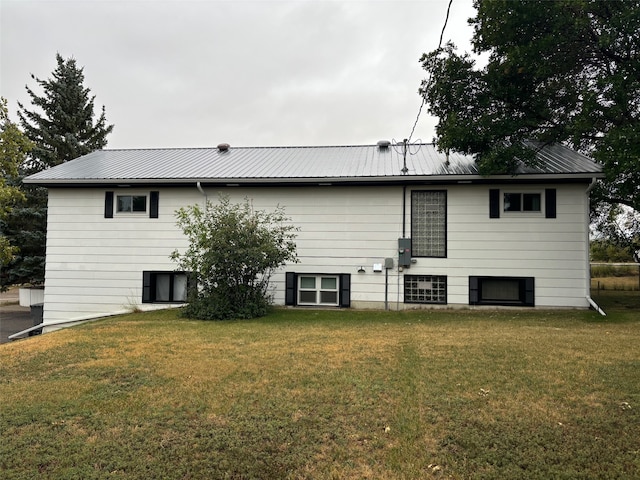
(329, 395)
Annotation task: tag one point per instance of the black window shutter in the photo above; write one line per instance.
(153, 204)
(529, 290)
(192, 286)
(146, 287)
(550, 203)
(290, 285)
(494, 203)
(108, 204)
(345, 290)
(474, 297)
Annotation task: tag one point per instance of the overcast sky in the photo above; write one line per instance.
(250, 73)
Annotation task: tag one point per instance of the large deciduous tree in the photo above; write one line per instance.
(61, 126)
(14, 146)
(233, 251)
(557, 71)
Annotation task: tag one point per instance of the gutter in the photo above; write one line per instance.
(593, 304)
(295, 181)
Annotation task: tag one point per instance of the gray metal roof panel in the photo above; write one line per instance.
(291, 164)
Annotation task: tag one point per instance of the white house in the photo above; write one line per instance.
(378, 228)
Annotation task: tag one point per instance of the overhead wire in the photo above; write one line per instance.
(446, 20)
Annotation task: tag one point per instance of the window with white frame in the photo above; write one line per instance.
(318, 290)
(131, 203)
(429, 223)
(425, 289)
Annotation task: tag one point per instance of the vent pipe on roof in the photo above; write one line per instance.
(383, 144)
(223, 147)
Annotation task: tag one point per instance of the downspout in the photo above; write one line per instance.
(593, 304)
(404, 211)
(404, 235)
(204, 194)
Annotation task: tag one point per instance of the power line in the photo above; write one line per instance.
(446, 20)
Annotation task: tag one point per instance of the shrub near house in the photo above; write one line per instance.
(233, 251)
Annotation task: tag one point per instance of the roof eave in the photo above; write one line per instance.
(398, 179)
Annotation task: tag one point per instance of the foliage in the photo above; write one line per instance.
(603, 250)
(26, 226)
(14, 146)
(561, 71)
(233, 251)
(65, 129)
(618, 224)
(320, 394)
(60, 128)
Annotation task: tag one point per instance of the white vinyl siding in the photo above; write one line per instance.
(95, 264)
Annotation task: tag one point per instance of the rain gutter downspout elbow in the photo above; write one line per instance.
(204, 194)
(593, 304)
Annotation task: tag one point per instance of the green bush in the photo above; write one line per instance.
(608, 251)
(233, 251)
(243, 303)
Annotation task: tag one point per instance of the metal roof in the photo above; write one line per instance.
(295, 165)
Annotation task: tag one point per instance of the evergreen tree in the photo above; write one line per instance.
(65, 129)
(61, 128)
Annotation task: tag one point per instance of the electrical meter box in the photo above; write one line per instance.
(404, 252)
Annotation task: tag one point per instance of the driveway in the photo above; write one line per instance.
(13, 317)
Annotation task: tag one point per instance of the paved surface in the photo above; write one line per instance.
(13, 317)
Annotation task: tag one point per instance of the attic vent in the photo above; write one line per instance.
(223, 147)
(383, 144)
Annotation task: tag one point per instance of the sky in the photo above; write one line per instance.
(196, 73)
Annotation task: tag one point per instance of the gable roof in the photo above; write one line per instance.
(291, 165)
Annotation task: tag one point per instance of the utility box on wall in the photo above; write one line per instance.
(404, 252)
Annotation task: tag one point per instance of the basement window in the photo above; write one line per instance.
(425, 289)
(507, 291)
(318, 290)
(164, 287)
(321, 289)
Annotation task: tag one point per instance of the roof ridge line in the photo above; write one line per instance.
(267, 147)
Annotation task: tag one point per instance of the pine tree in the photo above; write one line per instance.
(66, 129)
(61, 128)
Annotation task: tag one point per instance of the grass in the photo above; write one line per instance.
(306, 394)
(612, 277)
